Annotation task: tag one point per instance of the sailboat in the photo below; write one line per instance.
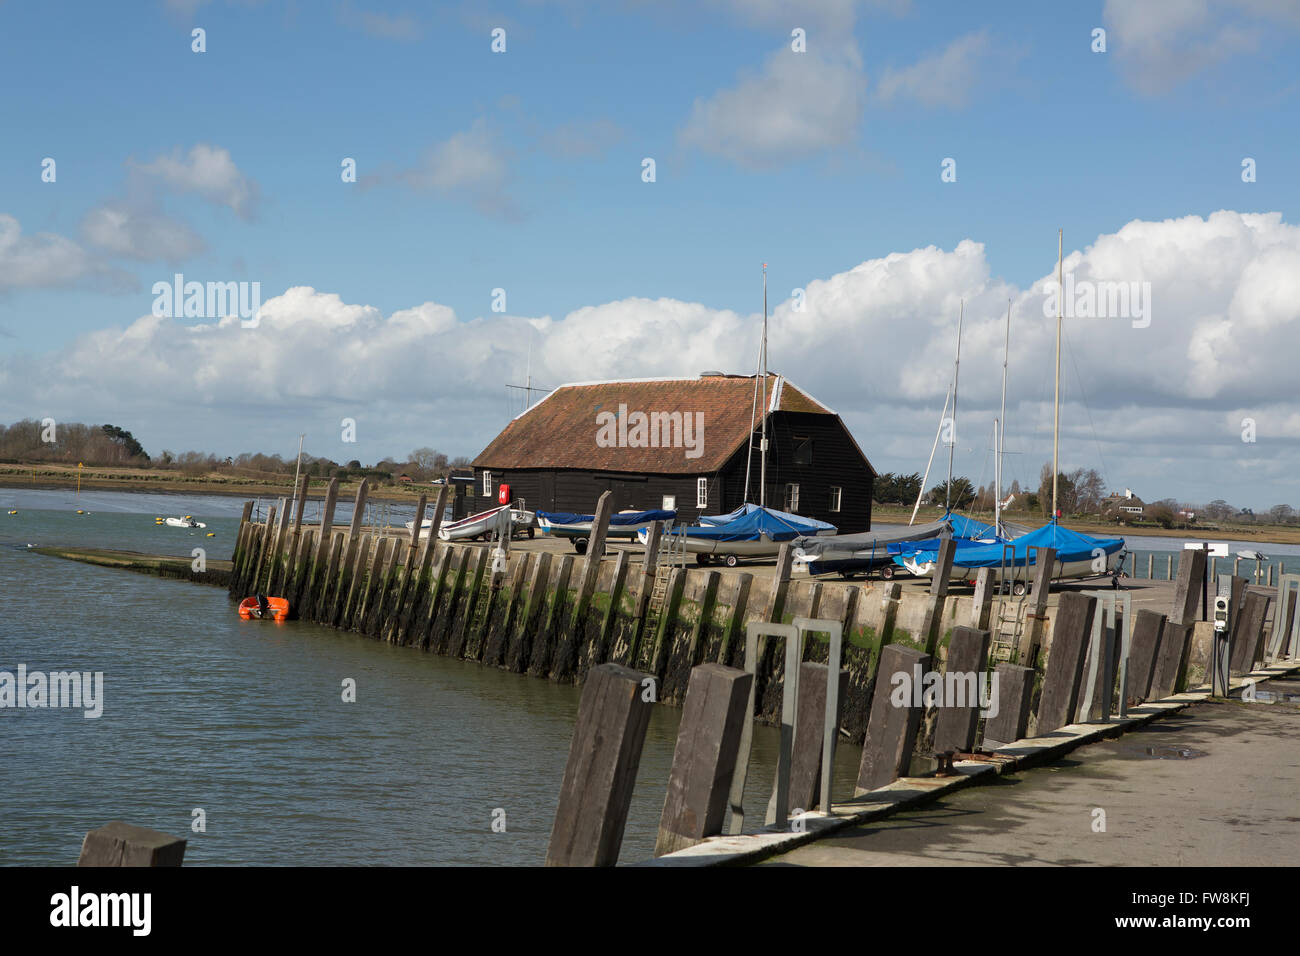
(752, 530)
(1077, 555)
(862, 553)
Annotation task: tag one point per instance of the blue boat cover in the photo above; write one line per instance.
(621, 518)
(750, 526)
(1069, 545)
(748, 509)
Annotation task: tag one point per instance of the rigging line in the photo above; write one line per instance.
(1105, 474)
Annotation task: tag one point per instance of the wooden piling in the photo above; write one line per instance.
(955, 726)
(1187, 591)
(1148, 628)
(704, 757)
(891, 730)
(1070, 638)
(1031, 638)
(1174, 642)
(982, 603)
(1015, 692)
(809, 733)
(603, 759)
(121, 844)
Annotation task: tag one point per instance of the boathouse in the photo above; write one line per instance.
(680, 443)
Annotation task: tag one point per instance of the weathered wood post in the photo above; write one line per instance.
(933, 625)
(1148, 628)
(1248, 632)
(704, 758)
(596, 792)
(343, 587)
(1070, 638)
(1151, 566)
(393, 625)
(276, 570)
(809, 732)
(316, 582)
(1174, 641)
(955, 726)
(1187, 591)
(1015, 693)
(982, 604)
(891, 729)
(121, 844)
(649, 567)
(591, 564)
(1031, 640)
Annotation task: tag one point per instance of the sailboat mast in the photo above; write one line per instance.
(952, 435)
(762, 488)
(926, 477)
(1001, 429)
(1060, 312)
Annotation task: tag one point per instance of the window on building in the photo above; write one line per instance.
(487, 484)
(701, 492)
(836, 494)
(802, 451)
(792, 499)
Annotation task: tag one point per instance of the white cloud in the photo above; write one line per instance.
(1160, 45)
(209, 171)
(875, 342)
(124, 229)
(798, 104)
(943, 79)
(470, 165)
(45, 260)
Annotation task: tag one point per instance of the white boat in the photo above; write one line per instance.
(484, 523)
(186, 522)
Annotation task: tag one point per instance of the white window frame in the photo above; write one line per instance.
(487, 484)
(792, 497)
(670, 503)
(701, 492)
(837, 497)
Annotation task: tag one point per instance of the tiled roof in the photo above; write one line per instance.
(562, 430)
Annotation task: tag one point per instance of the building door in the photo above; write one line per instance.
(546, 495)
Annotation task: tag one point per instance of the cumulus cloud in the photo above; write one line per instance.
(874, 342)
(945, 78)
(122, 228)
(1160, 45)
(798, 104)
(210, 172)
(470, 165)
(48, 260)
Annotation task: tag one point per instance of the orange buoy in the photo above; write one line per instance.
(253, 608)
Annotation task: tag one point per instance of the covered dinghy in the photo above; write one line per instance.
(850, 554)
(750, 531)
(1077, 555)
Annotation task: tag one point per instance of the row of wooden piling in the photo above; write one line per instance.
(1087, 678)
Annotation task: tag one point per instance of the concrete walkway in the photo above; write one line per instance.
(1217, 784)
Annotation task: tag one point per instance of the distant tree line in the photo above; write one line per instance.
(31, 441)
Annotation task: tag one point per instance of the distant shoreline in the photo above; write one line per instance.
(10, 479)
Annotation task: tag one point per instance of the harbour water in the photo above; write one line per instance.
(246, 721)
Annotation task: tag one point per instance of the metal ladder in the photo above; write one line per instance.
(1007, 627)
(672, 554)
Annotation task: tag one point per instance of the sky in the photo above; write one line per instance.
(595, 199)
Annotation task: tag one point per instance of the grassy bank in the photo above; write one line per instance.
(1219, 531)
(157, 481)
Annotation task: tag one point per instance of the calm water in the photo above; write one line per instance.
(245, 719)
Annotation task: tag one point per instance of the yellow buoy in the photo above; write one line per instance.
(14, 512)
(212, 534)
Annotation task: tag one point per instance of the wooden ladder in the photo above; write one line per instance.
(1007, 628)
(672, 554)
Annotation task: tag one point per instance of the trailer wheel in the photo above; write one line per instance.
(580, 545)
(701, 559)
(732, 560)
(530, 534)
(887, 573)
(1019, 588)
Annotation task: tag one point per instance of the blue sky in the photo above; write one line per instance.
(522, 170)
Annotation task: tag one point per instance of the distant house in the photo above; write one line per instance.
(1127, 504)
(405, 479)
(682, 443)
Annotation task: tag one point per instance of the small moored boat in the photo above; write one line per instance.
(263, 608)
